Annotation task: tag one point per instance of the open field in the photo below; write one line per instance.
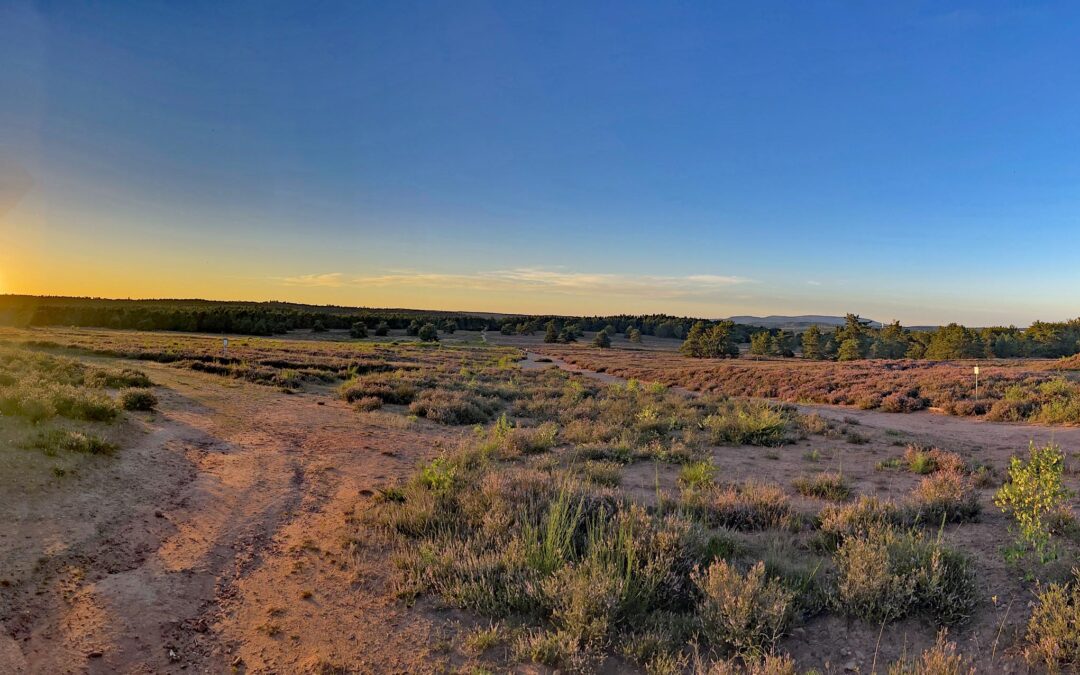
(1010, 390)
(317, 504)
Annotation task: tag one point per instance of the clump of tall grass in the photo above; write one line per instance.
(453, 407)
(946, 496)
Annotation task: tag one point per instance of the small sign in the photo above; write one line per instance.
(976, 370)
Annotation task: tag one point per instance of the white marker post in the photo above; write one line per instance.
(224, 346)
(976, 383)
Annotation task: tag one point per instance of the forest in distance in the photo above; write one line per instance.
(856, 339)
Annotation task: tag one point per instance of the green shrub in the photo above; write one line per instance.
(1032, 493)
(858, 519)
(697, 475)
(53, 441)
(137, 399)
(748, 424)
(119, 378)
(946, 496)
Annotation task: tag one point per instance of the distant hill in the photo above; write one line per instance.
(801, 322)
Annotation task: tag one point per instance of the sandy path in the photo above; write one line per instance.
(177, 556)
(973, 433)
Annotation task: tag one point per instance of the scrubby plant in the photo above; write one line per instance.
(1053, 631)
(118, 378)
(885, 575)
(857, 519)
(453, 407)
(940, 659)
(358, 330)
(1032, 493)
(697, 475)
(54, 441)
(946, 496)
(748, 423)
(749, 506)
(825, 485)
(137, 399)
(744, 613)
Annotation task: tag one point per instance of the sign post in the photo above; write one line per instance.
(224, 346)
(976, 383)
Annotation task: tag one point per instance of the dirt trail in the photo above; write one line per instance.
(187, 551)
(945, 428)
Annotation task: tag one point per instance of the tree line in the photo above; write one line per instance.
(857, 339)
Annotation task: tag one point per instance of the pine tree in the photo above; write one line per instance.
(602, 340)
(811, 343)
(551, 335)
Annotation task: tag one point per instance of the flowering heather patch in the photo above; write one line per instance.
(1008, 390)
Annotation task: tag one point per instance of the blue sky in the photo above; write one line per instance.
(903, 160)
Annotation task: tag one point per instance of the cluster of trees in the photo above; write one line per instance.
(711, 341)
(657, 325)
(857, 339)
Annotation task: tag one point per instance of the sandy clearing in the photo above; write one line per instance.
(174, 555)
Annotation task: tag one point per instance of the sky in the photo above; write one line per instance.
(908, 160)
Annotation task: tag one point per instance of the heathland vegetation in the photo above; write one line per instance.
(626, 525)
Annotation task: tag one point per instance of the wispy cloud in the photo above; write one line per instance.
(331, 280)
(531, 279)
(811, 282)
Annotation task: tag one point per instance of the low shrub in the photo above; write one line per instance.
(453, 407)
(137, 399)
(748, 423)
(940, 659)
(54, 441)
(946, 496)
(746, 614)
(367, 403)
(887, 575)
(1053, 631)
(825, 485)
(749, 506)
(119, 378)
(858, 519)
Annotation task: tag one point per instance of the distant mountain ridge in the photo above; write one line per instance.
(794, 322)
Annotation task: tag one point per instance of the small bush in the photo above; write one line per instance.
(137, 399)
(697, 475)
(608, 474)
(748, 613)
(924, 460)
(367, 403)
(750, 506)
(748, 424)
(857, 519)
(1032, 493)
(1053, 631)
(825, 485)
(119, 378)
(887, 575)
(946, 496)
(453, 407)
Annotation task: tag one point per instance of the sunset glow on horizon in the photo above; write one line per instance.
(547, 159)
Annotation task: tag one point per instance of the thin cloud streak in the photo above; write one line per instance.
(527, 279)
